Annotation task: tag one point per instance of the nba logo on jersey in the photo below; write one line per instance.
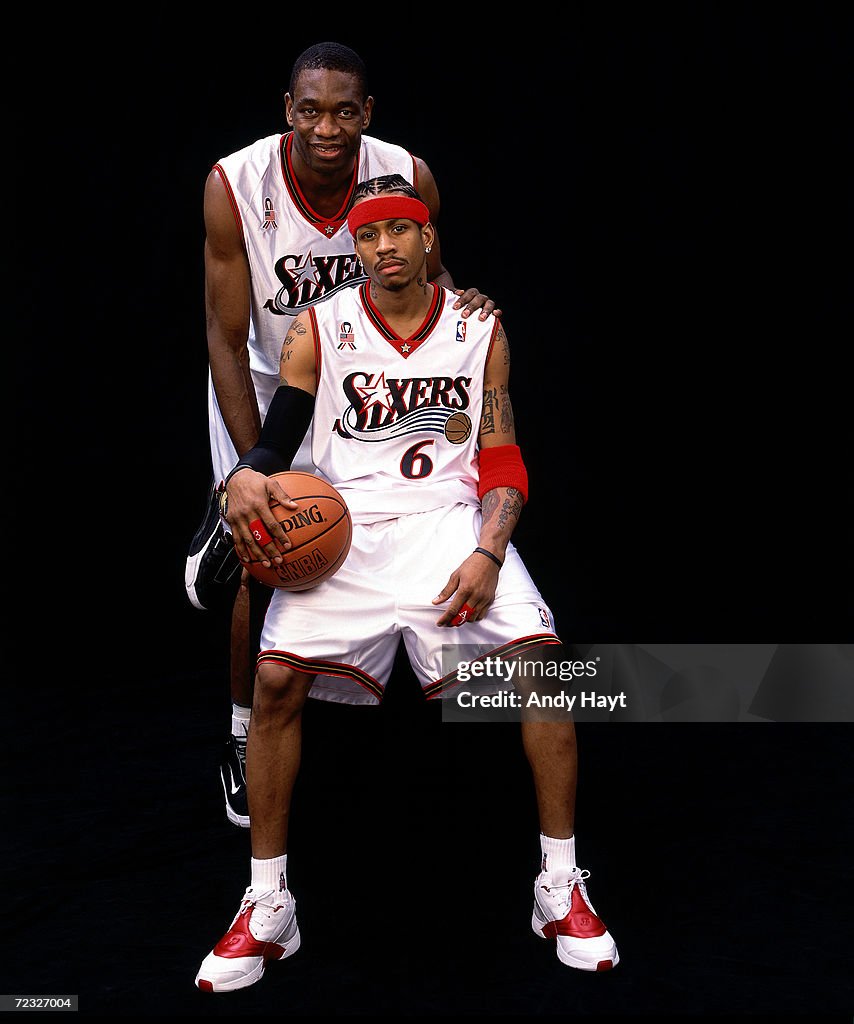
(345, 335)
(461, 330)
(544, 618)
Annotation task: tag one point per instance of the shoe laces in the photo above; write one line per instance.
(563, 893)
(240, 750)
(264, 900)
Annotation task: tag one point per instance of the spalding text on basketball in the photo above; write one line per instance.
(304, 517)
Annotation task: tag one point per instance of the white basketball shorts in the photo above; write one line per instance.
(346, 630)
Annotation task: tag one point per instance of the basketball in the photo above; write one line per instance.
(320, 531)
(458, 428)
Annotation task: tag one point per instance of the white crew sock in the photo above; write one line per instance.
(270, 874)
(240, 721)
(557, 853)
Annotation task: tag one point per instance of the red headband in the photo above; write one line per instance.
(387, 208)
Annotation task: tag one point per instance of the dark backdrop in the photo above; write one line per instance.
(656, 199)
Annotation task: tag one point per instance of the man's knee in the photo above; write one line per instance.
(279, 688)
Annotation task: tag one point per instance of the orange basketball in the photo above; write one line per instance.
(320, 532)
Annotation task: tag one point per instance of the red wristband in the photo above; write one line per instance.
(502, 467)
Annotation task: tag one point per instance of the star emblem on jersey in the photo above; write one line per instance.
(405, 348)
(305, 271)
(369, 395)
(330, 230)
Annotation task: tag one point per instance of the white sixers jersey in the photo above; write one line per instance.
(296, 257)
(396, 421)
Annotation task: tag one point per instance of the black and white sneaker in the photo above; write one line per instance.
(233, 774)
(212, 571)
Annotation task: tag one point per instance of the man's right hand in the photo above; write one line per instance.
(257, 534)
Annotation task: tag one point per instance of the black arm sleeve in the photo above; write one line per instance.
(283, 431)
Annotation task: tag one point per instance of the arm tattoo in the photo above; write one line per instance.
(489, 505)
(510, 509)
(506, 411)
(294, 332)
(487, 419)
(505, 344)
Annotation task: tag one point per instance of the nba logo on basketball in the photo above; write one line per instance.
(461, 330)
(345, 336)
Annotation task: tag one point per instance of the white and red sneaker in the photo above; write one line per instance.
(563, 911)
(265, 928)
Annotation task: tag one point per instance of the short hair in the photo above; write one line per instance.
(382, 184)
(330, 57)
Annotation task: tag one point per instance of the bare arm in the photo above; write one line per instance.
(475, 581)
(501, 506)
(249, 492)
(471, 298)
(227, 292)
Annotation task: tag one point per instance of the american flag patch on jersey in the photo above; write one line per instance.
(345, 335)
(269, 215)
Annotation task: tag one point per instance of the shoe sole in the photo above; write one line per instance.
(248, 979)
(191, 572)
(241, 820)
(577, 962)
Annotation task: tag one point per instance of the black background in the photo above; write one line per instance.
(657, 201)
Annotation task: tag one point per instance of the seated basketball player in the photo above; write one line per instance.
(380, 406)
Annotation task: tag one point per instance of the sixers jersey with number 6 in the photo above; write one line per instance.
(396, 420)
(296, 256)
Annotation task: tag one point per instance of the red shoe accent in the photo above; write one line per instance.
(239, 941)
(205, 986)
(580, 922)
(604, 965)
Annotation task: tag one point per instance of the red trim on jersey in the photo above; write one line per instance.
(235, 209)
(320, 667)
(492, 338)
(508, 650)
(404, 346)
(318, 352)
(327, 226)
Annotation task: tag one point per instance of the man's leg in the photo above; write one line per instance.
(553, 756)
(247, 618)
(265, 927)
(242, 663)
(562, 908)
(273, 755)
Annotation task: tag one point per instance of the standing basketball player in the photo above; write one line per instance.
(433, 509)
(276, 243)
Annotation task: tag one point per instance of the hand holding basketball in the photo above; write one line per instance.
(258, 537)
(318, 531)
